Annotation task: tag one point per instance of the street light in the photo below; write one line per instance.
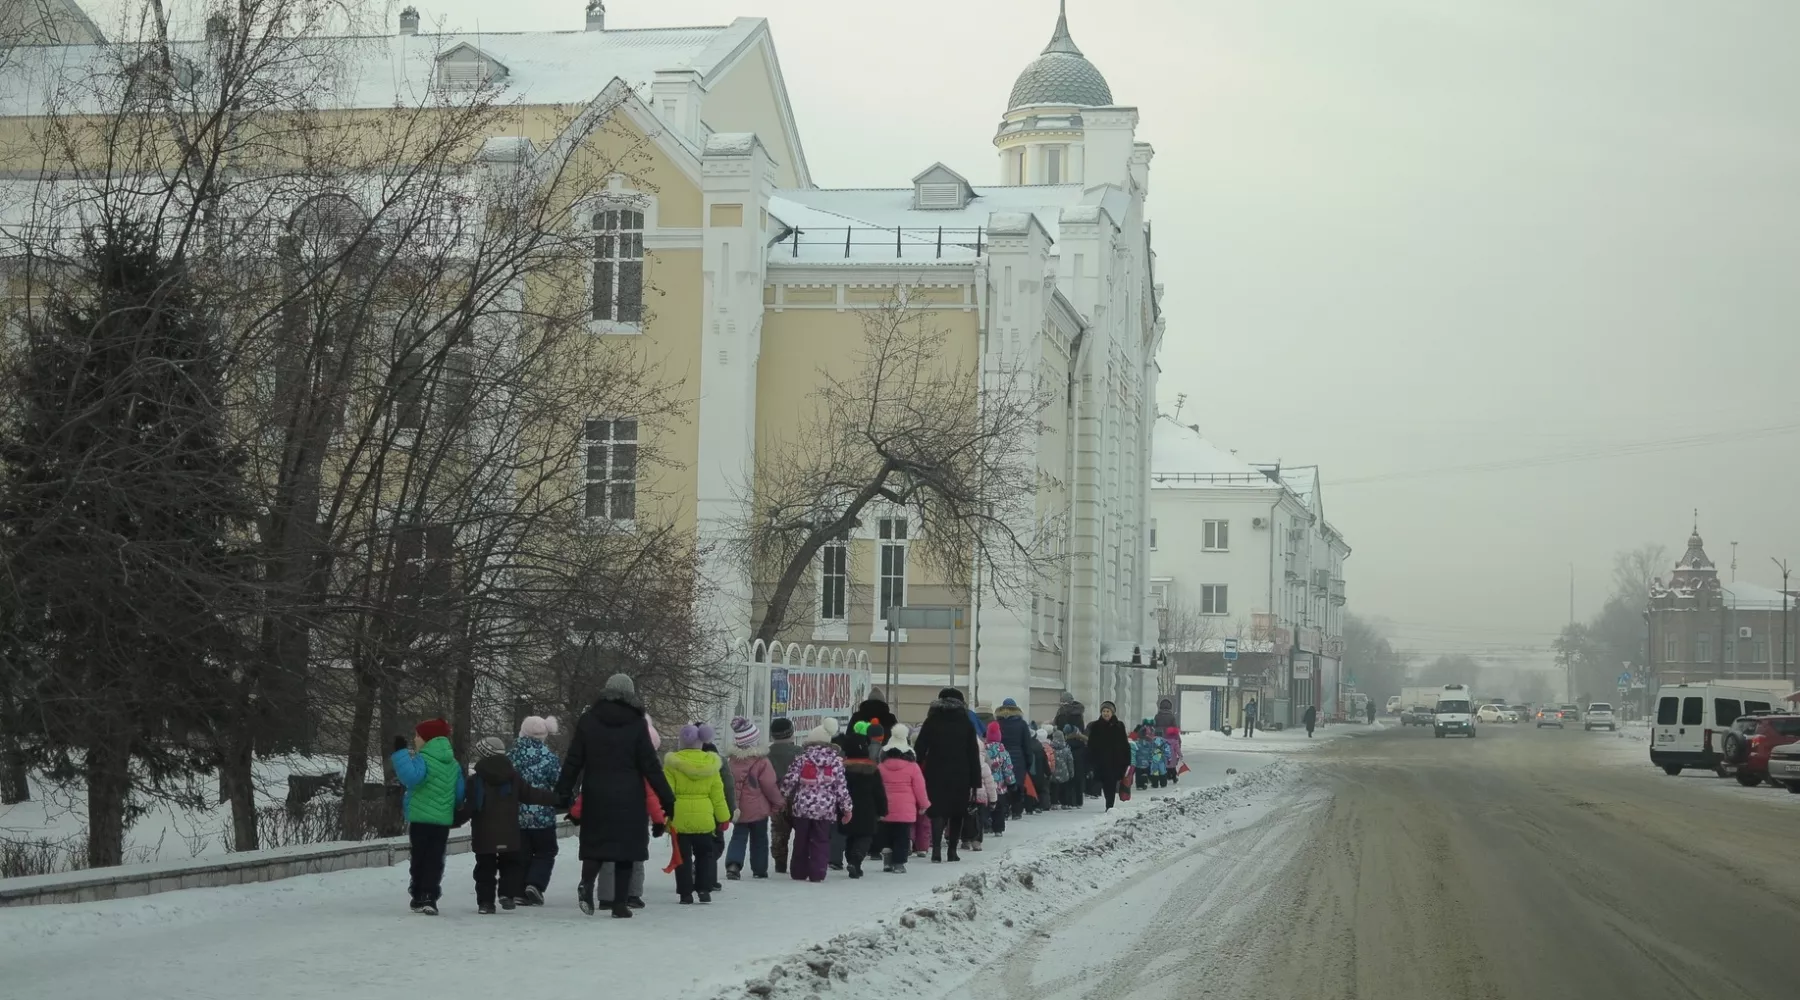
(1782, 565)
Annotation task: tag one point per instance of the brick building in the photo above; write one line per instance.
(1704, 628)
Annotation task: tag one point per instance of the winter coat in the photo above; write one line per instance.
(1152, 755)
(904, 784)
(759, 790)
(875, 710)
(1109, 750)
(990, 788)
(815, 785)
(610, 758)
(1070, 713)
(1165, 715)
(1015, 734)
(1079, 755)
(1310, 716)
(537, 764)
(492, 804)
(433, 780)
(949, 755)
(1000, 766)
(694, 777)
(1174, 746)
(1038, 763)
(1062, 764)
(781, 757)
(725, 776)
(868, 797)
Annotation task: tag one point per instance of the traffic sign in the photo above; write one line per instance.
(1230, 650)
(1625, 680)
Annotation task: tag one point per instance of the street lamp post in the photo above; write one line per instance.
(1782, 565)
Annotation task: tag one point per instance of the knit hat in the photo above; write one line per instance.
(489, 746)
(431, 729)
(899, 740)
(1009, 703)
(1172, 732)
(1107, 704)
(619, 684)
(948, 693)
(781, 729)
(744, 733)
(824, 732)
(993, 733)
(538, 727)
(655, 737)
(690, 737)
(876, 732)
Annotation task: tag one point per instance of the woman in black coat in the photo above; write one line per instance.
(1109, 751)
(950, 756)
(612, 757)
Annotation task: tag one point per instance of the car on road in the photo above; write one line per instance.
(1599, 714)
(1513, 713)
(1571, 713)
(1751, 741)
(1549, 717)
(1691, 720)
(1418, 715)
(1784, 766)
(1491, 713)
(1455, 713)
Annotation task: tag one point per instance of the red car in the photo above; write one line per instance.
(1749, 740)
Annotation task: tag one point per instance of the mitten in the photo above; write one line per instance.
(658, 829)
(722, 827)
(399, 743)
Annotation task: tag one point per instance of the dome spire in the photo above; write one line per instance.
(1061, 41)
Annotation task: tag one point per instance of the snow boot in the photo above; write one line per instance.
(760, 875)
(621, 911)
(900, 869)
(507, 902)
(533, 896)
(687, 899)
(418, 906)
(706, 897)
(951, 855)
(734, 873)
(635, 902)
(585, 897)
(937, 855)
(856, 871)
(486, 909)
(429, 908)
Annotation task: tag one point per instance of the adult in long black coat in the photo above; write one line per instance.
(874, 709)
(1109, 750)
(1070, 712)
(611, 756)
(950, 756)
(1015, 736)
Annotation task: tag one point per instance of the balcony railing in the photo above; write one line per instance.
(1211, 478)
(872, 242)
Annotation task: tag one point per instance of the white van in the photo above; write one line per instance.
(1455, 712)
(1689, 727)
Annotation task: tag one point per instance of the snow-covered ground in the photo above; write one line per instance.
(164, 832)
(348, 934)
(1277, 741)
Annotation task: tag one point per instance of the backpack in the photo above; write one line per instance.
(812, 774)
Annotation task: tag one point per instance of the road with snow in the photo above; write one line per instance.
(1521, 864)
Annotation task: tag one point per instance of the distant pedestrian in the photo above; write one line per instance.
(950, 756)
(818, 797)
(434, 789)
(1109, 750)
(695, 776)
(539, 766)
(758, 798)
(1371, 713)
(491, 806)
(1310, 718)
(1250, 718)
(782, 751)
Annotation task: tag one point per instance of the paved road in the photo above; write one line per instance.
(1521, 864)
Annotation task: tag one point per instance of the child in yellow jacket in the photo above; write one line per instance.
(700, 812)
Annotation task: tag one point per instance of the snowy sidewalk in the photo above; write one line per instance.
(349, 936)
(1274, 741)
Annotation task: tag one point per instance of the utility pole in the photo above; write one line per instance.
(1733, 562)
(1569, 655)
(1782, 565)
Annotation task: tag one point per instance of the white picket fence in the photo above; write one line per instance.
(820, 680)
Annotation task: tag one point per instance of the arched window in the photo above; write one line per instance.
(619, 265)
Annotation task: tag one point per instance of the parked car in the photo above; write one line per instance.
(1491, 713)
(1549, 717)
(1784, 766)
(1751, 740)
(1599, 714)
(1691, 720)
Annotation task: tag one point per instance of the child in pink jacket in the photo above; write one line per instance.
(906, 799)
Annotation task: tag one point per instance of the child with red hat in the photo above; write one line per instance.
(434, 789)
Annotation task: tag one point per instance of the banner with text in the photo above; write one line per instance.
(807, 696)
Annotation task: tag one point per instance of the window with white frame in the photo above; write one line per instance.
(1703, 647)
(611, 473)
(1212, 599)
(1671, 650)
(1728, 646)
(834, 581)
(890, 581)
(1215, 536)
(1153, 534)
(1761, 651)
(619, 265)
(1053, 164)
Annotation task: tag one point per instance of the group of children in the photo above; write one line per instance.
(838, 797)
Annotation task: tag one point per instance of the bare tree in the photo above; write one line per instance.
(1634, 569)
(918, 427)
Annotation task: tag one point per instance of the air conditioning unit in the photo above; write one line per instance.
(1259, 522)
(1744, 632)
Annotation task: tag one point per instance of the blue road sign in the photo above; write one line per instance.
(1230, 650)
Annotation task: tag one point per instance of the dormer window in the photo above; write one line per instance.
(466, 67)
(941, 188)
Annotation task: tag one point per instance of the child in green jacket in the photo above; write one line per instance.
(700, 812)
(434, 790)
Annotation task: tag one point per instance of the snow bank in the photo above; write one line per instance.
(1273, 741)
(940, 939)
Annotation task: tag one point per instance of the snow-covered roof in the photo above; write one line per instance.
(542, 67)
(865, 211)
(1753, 597)
(1303, 480)
(1182, 458)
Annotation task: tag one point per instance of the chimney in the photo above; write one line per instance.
(217, 27)
(409, 21)
(596, 15)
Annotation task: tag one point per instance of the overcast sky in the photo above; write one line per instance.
(1402, 238)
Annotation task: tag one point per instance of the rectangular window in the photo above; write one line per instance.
(407, 406)
(891, 581)
(1671, 650)
(834, 579)
(1053, 165)
(1703, 647)
(1215, 536)
(1727, 710)
(612, 449)
(1666, 711)
(619, 265)
(1730, 648)
(1153, 534)
(1761, 651)
(1018, 166)
(1212, 599)
(1693, 711)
